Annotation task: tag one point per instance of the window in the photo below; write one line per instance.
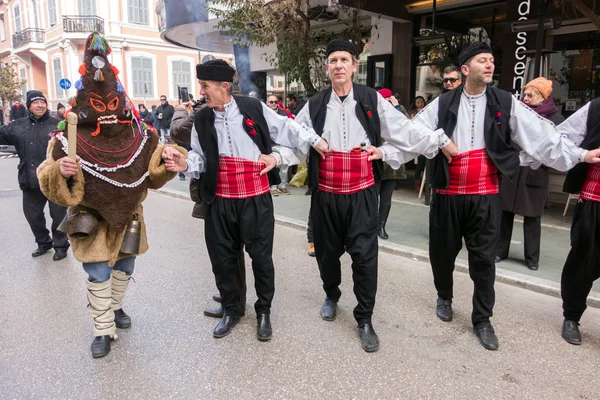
(279, 84)
(86, 7)
(36, 21)
(52, 12)
(23, 77)
(17, 12)
(57, 65)
(137, 10)
(2, 31)
(181, 76)
(143, 77)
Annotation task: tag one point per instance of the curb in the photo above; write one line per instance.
(539, 285)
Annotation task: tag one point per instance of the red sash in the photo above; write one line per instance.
(345, 172)
(591, 186)
(472, 172)
(238, 178)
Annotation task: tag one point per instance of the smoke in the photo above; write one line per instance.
(242, 65)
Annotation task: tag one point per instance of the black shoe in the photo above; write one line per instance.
(329, 310)
(308, 192)
(444, 309)
(570, 332)
(217, 298)
(487, 337)
(264, 331)
(368, 338)
(122, 320)
(498, 259)
(59, 254)
(216, 312)
(533, 267)
(382, 233)
(225, 326)
(40, 251)
(101, 346)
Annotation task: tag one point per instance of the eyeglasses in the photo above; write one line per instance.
(450, 80)
(163, 99)
(271, 102)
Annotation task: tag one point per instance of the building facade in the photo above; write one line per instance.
(44, 40)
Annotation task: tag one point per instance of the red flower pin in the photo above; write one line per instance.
(251, 129)
(369, 113)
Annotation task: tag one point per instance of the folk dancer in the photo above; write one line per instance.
(483, 121)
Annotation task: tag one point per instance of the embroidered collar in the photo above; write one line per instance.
(475, 97)
(227, 107)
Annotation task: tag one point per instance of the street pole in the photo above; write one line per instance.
(539, 39)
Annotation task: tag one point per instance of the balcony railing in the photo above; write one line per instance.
(27, 36)
(86, 23)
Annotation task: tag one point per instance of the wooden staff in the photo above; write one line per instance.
(72, 132)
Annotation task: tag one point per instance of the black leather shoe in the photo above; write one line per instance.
(40, 251)
(533, 267)
(225, 326)
(217, 298)
(329, 310)
(444, 309)
(59, 254)
(216, 312)
(498, 259)
(101, 346)
(264, 331)
(570, 332)
(122, 320)
(382, 233)
(368, 338)
(487, 337)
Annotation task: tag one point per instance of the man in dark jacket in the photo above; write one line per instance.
(164, 114)
(60, 112)
(30, 136)
(17, 111)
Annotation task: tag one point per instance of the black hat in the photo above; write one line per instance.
(471, 51)
(59, 106)
(215, 70)
(340, 45)
(34, 95)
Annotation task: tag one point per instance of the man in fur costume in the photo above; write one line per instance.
(118, 160)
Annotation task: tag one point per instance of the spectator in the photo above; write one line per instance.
(145, 115)
(417, 106)
(60, 112)
(1, 116)
(294, 104)
(277, 188)
(154, 116)
(30, 136)
(164, 114)
(527, 194)
(17, 111)
(451, 78)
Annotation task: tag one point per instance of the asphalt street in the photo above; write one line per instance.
(169, 352)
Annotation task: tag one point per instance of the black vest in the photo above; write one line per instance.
(366, 101)
(204, 122)
(496, 131)
(577, 175)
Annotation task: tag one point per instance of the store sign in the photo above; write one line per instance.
(523, 10)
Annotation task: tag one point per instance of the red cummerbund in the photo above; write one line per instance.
(591, 186)
(239, 178)
(472, 172)
(345, 172)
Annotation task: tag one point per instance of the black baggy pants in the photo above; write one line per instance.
(582, 266)
(34, 202)
(532, 234)
(476, 218)
(347, 222)
(229, 225)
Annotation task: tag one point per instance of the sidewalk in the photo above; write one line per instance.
(408, 229)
